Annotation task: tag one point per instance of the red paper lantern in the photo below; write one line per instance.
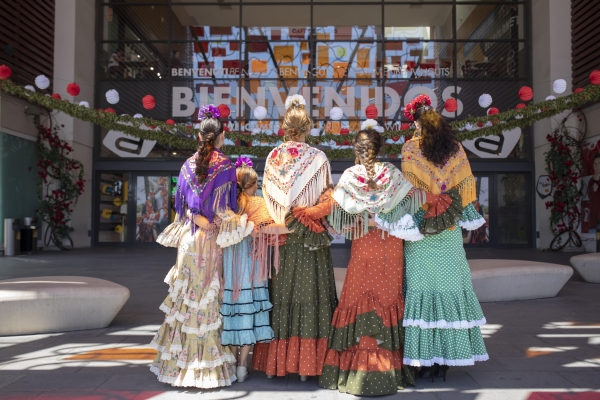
(520, 105)
(451, 105)
(224, 110)
(344, 131)
(170, 122)
(371, 112)
(493, 111)
(525, 93)
(480, 124)
(595, 77)
(73, 89)
(396, 138)
(56, 96)
(404, 126)
(578, 90)
(148, 102)
(280, 132)
(5, 72)
(110, 110)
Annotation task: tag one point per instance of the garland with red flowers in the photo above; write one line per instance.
(565, 167)
(60, 183)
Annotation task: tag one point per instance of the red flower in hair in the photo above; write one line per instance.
(412, 107)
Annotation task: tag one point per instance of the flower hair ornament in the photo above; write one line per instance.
(209, 111)
(411, 108)
(243, 162)
(369, 124)
(294, 101)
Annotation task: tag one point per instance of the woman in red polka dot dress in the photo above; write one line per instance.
(372, 205)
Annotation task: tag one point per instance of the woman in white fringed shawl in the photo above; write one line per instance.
(303, 285)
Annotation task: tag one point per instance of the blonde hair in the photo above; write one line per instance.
(246, 177)
(367, 144)
(296, 122)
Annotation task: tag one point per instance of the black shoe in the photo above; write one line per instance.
(425, 372)
(440, 370)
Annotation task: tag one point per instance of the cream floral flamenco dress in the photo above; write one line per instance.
(188, 342)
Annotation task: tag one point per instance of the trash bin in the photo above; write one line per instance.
(12, 237)
(29, 234)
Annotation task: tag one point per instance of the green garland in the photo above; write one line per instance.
(183, 137)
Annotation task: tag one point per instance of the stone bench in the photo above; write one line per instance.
(506, 280)
(588, 266)
(58, 304)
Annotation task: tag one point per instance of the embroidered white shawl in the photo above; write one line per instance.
(295, 175)
(392, 202)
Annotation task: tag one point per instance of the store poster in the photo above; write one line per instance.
(590, 203)
(480, 235)
(152, 207)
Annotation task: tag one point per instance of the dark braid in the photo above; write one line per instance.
(367, 144)
(210, 129)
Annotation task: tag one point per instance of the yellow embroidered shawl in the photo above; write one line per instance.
(425, 175)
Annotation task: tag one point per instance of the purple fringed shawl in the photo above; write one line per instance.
(217, 193)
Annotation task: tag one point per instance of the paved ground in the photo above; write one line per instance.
(539, 349)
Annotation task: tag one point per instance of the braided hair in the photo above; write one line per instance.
(210, 129)
(367, 144)
(246, 177)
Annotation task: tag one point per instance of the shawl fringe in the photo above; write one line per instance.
(410, 204)
(308, 196)
(352, 226)
(234, 229)
(467, 190)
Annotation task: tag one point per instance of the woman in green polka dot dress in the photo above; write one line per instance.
(442, 315)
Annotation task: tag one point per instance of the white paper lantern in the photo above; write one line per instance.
(30, 88)
(112, 96)
(462, 128)
(485, 100)
(138, 115)
(488, 124)
(315, 132)
(336, 113)
(469, 127)
(42, 82)
(196, 126)
(332, 143)
(379, 129)
(518, 116)
(256, 131)
(84, 104)
(260, 112)
(559, 86)
(550, 98)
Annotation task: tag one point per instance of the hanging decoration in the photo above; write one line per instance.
(493, 111)
(224, 110)
(30, 88)
(73, 89)
(137, 115)
(56, 96)
(525, 93)
(485, 100)
(315, 132)
(183, 137)
(260, 113)
(148, 102)
(550, 97)
(565, 167)
(110, 110)
(170, 122)
(84, 104)
(559, 86)
(5, 72)
(112, 96)
(336, 113)
(371, 111)
(451, 105)
(42, 82)
(595, 77)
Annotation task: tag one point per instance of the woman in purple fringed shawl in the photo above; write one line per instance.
(188, 342)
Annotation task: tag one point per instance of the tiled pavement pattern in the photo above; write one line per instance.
(539, 349)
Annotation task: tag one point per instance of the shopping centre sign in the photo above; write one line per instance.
(185, 101)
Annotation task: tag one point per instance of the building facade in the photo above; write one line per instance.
(244, 54)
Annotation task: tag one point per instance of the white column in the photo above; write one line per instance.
(74, 58)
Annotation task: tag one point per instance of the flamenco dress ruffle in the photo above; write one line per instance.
(442, 316)
(366, 339)
(188, 342)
